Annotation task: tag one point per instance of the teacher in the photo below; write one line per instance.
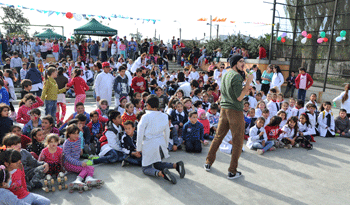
(231, 115)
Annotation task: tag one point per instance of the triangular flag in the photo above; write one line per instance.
(50, 13)
(45, 12)
(215, 19)
(58, 13)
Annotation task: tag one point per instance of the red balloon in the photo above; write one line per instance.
(325, 39)
(69, 15)
(283, 40)
(309, 36)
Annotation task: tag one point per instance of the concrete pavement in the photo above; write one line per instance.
(296, 176)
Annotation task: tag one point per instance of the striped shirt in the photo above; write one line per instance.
(71, 152)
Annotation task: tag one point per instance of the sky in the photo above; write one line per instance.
(173, 15)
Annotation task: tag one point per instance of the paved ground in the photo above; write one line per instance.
(295, 176)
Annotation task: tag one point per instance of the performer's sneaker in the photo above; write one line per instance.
(207, 167)
(168, 176)
(234, 176)
(180, 167)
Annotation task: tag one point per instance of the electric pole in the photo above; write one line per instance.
(210, 25)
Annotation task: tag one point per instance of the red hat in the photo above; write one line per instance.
(105, 64)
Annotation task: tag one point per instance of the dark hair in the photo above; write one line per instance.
(139, 115)
(11, 139)
(307, 119)
(300, 103)
(94, 113)
(81, 117)
(33, 134)
(1, 82)
(275, 120)
(2, 107)
(129, 123)
(127, 105)
(181, 76)
(51, 136)
(265, 110)
(50, 119)
(192, 113)
(158, 88)
(214, 106)
(302, 69)
(295, 119)
(196, 91)
(27, 97)
(14, 127)
(77, 72)
(60, 71)
(278, 69)
(113, 114)
(49, 72)
(342, 110)
(79, 104)
(4, 175)
(282, 112)
(197, 103)
(153, 101)
(11, 75)
(260, 118)
(122, 67)
(72, 129)
(35, 111)
(194, 83)
(10, 156)
(138, 70)
(25, 83)
(98, 65)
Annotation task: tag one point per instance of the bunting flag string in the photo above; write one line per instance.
(79, 17)
(223, 20)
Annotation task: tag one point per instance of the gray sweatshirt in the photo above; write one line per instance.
(29, 164)
(8, 198)
(343, 125)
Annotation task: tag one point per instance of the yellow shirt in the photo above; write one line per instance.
(50, 90)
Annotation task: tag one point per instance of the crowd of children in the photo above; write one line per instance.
(156, 112)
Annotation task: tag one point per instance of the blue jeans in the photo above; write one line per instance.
(153, 169)
(75, 56)
(94, 57)
(50, 108)
(111, 156)
(133, 160)
(301, 94)
(36, 199)
(268, 145)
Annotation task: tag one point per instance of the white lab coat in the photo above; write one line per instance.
(11, 88)
(136, 65)
(277, 80)
(151, 136)
(346, 104)
(254, 137)
(104, 86)
(225, 146)
(322, 123)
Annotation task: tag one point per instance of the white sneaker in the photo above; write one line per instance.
(260, 151)
(234, 176)
(297, 145)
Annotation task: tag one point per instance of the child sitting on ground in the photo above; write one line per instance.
(258, 138)
(121, 106)
(298, 109)
(283, 117)
(266, 116)
(80, 110)
(213, 117)
(129, 115)
(290, 133)
(259, 108)
(95, 126)
(71, 153)
(11, 159)
(152, 141)
(205, 101)
(342, 124)
(311, 108)
(34, 121)
(89, 143)
(37, 145)
(5, 122)
(325, 120)
(174, 140)
(202, 118)
(128, 144)
(25, 140)
(273, 130)
(193, 134)
(179, 117)
(111, 150)
(47, 125)
(53, 155)
(305, 132)
(33, 169)
(102, 111)
(27, 104)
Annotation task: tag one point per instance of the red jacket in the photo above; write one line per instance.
(100, 117)
(19, 186)
(309, 81)
(23, 112)
(262, 53)
(80, 85)
(137, 83)
(126, 117)
(273, 132)
(25, 141)
(206, 125)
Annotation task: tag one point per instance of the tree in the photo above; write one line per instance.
(14, 21)
(78, 38)
(136, 36)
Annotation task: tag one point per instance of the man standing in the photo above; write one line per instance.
(132, 48)
(231, 116)
(104, 84)
(94, 51)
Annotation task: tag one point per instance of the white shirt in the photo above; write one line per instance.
(136, 65)
(152, 136)
(277, 80)
(254, 137)
(322, 123)
(113, 141)
(104, 86)
(217, 78)
(186, 88)
(346, 104)
(194, 76)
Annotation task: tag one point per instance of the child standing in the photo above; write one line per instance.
(258, 138)
(50, 92)
(80, 86)
(71, 150)
(121, 86)
(303, 82)
(28, 103)
(5, 122)
(193, 134)
(11, 79)
(342, 124)
(325, 120)
(290, 133)
(52, 155)
(152, 139)
(11, 159)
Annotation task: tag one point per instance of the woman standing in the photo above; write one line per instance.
(345, 100)
(277, 78)
(266, 79)
(231, 115)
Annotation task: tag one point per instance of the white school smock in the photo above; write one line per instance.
(346, 104)
(153, 132)
(104, 86)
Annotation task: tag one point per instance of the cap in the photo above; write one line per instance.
(105, 64)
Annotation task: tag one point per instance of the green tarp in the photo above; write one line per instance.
(49, 34)
(95, 28)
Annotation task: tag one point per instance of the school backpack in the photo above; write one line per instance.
(103, 140)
